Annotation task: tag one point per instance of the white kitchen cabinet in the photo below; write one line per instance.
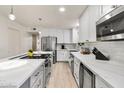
(75, 35)
(87, 28)
(94, 16)
(63, 36)
(76, 69)
(62, 55)
(66, 36)
(84, 26)
(37, 78)
(104, 9)
(100, 83)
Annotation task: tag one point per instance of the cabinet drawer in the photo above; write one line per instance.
(36, 75)
(37, 84)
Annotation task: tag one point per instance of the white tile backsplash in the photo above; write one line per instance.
(115, 49)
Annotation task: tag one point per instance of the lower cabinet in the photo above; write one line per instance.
(62, 55)
(36, 80)
(99, 83)
(76, 69)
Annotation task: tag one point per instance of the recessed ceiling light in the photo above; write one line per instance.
(77, 24)
(111, 30)
(39, 32)
(62, 9)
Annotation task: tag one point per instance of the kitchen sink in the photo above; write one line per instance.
(42, 56)
(33, 57)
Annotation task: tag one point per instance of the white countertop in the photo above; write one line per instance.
(43, 52)
(23, 54)
(67, 49)
(11, 76)
(111, 72)
(13, 73)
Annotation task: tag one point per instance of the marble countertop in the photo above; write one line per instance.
(13, 73)
(111, 72)
(43, 52)
(67, 49)
(23, 54)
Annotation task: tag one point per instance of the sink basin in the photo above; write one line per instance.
(42, 56)
(12, 64)
(33, 57)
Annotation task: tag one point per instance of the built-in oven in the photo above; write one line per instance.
(111, 26)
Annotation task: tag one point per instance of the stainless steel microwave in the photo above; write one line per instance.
(111, 26)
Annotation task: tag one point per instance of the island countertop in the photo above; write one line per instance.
(13, 73)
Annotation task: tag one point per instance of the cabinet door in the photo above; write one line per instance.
(76, 69)
(37, 76)
(107, 8)
(94, 16)
(75, 35)
(66, 36)
(37, 84)
(87, 29)
(66, 55)
(60, 55)
(84, 26)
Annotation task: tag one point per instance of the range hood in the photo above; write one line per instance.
(111, 26)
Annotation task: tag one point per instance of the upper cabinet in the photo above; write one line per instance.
(104, 9)
(66, 36)
(63, 36)
(87, 28)
(84, 26)
(88, 19)
(75, 35)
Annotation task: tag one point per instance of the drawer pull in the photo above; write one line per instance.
(37, 74)
(38, 85)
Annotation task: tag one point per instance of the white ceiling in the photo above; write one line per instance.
(27, 15)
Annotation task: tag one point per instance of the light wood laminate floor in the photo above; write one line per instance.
(61, 77)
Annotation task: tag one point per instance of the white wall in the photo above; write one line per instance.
(22, 43)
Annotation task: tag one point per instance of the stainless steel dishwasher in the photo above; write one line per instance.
(86, 77)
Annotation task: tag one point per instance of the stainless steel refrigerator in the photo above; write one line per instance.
(49, 43)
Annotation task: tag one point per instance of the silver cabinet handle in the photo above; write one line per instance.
(37, 74)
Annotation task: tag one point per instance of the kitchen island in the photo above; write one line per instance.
(27, 73)
(13, 75)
